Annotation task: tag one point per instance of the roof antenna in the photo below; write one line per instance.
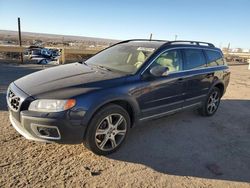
(151, 35)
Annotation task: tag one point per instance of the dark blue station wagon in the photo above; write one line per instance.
(96, 102)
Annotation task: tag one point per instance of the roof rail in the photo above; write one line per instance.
(191, 42)
(130, 40)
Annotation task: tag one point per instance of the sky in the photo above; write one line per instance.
(216, 21)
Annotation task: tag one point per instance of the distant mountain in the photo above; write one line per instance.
(12, 35)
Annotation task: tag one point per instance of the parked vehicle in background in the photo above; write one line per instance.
(43, 61)
(46, 53)
(32, 52)
(40, 55)
(98, 101)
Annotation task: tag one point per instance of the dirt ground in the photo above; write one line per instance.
(182, 150)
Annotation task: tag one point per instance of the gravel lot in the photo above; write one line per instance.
(182, 150)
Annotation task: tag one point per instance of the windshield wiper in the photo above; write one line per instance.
(83, 62)
(102, 67)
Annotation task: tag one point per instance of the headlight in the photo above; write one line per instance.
(51, 105)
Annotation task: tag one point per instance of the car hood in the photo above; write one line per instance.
(67, 81)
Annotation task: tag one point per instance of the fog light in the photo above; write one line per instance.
(45, 131)
(48, 132)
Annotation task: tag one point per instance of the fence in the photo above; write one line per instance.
(240, 54)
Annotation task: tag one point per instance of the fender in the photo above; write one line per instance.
(101, 99)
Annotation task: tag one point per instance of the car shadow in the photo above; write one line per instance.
(186, 144)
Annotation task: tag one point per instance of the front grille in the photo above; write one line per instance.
(13, 100)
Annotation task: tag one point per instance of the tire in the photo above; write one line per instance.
(211, 103)
(107, 130)
(43, 62)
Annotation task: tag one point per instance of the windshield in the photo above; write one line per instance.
(125, 57)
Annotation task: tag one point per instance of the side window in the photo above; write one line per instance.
(194, 59)
(171, 59)
(214, 58)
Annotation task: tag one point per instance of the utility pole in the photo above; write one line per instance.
(228, 47)
(175, 37)
(151, 35)
(20, 39)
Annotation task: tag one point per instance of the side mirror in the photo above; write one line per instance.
(158, 70)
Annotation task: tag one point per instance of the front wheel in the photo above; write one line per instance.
(212, 103)
(107, 130)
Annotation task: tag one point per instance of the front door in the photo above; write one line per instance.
(164, 94)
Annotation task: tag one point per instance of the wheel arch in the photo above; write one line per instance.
(128, 104)
(220, 85)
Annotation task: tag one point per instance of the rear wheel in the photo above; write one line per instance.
(107, 130)
(212, 103)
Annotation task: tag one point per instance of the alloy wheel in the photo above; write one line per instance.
(213, 102)
(110, 132)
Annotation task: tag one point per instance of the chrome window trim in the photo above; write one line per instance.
(179, 48)
(196, 69)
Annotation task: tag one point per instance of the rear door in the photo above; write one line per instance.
(197, 76)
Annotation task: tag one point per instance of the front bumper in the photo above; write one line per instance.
(59, 128)
(17, 125)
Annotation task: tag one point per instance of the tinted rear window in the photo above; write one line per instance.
(214, 58)
(194, 59)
